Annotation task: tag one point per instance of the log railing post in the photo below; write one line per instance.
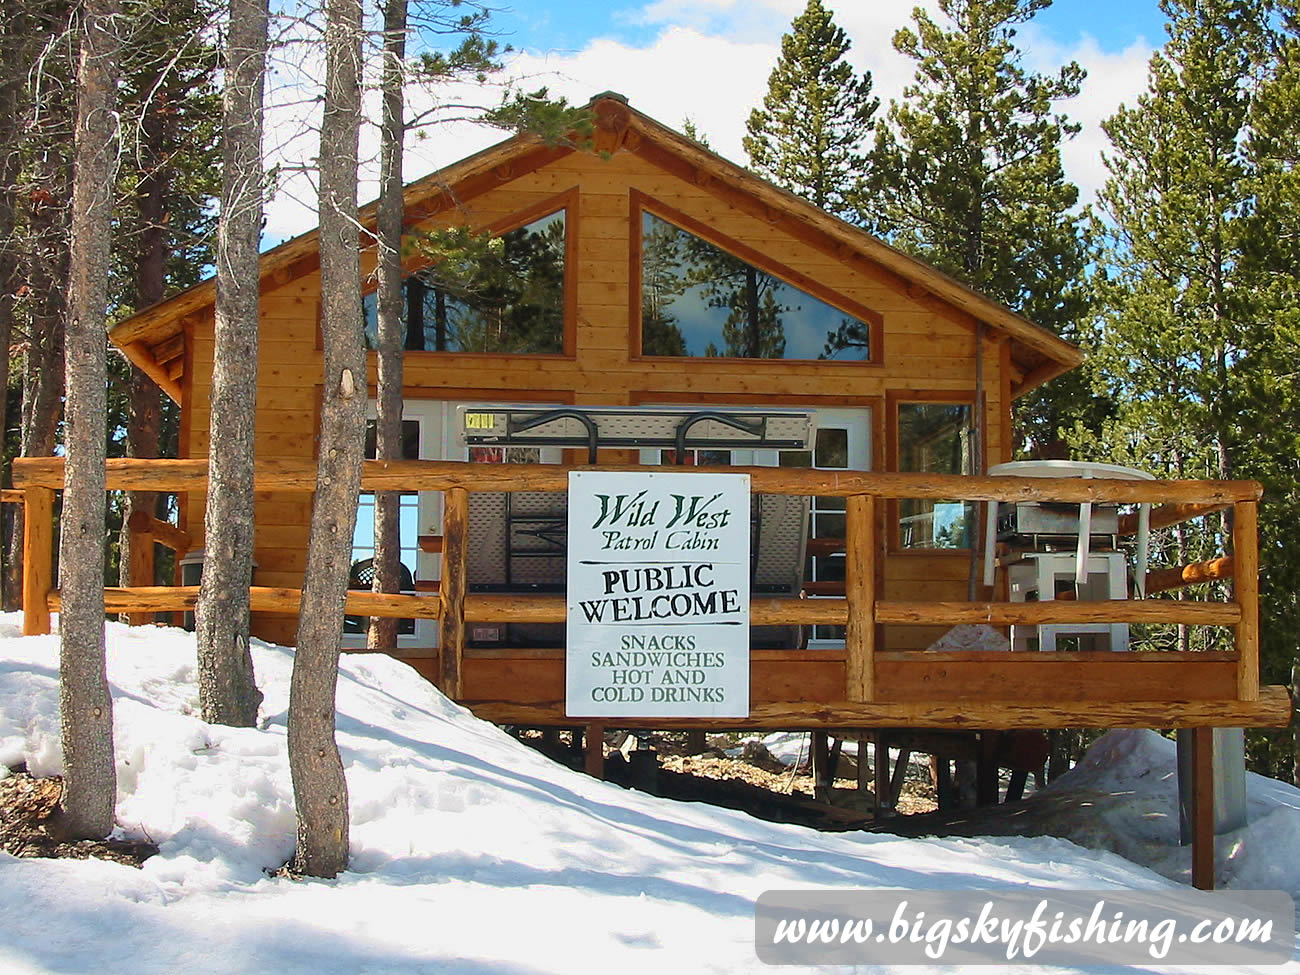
(1245, 558)
(451, 591)
(860, 590)
(38, 559)
(140, 570)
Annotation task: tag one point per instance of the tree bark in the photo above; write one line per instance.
(46, 270)
(85, 705)
(320, 790)
(388, 410)
(228, 692)
(13, 70)
(144, 402)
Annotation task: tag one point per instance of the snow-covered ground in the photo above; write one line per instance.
(474, 854)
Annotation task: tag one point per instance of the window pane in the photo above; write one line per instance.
(795, 458)
(505, 455)
(934, 438)
(698, 300)
(833, 447)
(697, 458)
(410, 440)
(500, 295)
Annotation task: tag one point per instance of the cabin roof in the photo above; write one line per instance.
(154, 337)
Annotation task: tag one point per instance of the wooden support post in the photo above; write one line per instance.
(833, 760)
(595, 751)
(821, 787)
(1016, 787)
(943, 782)
(986, 770)
(884, 805)
(1245, 557)
(864, 770)
(820, 767)
(451, 593)
(1203, 808)
(38, 559)
(900, 775)
(860, 589)
(140, 571)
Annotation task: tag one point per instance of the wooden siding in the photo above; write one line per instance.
(927, 348)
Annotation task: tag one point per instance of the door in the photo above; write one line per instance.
(843, 442)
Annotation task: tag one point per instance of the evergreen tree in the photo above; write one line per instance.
(228, 691)
(319, 788)
(967, 173)
(389, 218)
(85, 704)
(1176, 319)
(1270, 448)
(164, 216)
(809, 135)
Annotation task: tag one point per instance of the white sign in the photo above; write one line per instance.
(658, 595)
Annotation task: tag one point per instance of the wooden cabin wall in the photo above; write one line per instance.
(928, 349)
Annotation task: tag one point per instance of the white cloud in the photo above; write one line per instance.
(709, 60)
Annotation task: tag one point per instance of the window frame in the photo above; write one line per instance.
(640, 203)
(894, 400)
(566, 201)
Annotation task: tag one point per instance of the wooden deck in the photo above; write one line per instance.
(863, 685)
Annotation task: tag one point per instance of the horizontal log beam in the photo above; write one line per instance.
(162, 532)
(763, 611)
(1272, 710)
(9, 496)
(1167, 515)
(1162, 580)
(552, 609)
(1062, 611)
(263, 599)
(139, 354)
(130, 474)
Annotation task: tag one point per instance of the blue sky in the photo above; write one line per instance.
(708, 60)
(571, 24)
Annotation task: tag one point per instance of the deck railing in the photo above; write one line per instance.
(913, 687)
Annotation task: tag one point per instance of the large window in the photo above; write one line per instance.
(934, 438)
(502, 294)
(698, 300)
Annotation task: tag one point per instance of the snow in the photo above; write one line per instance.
(471, 853)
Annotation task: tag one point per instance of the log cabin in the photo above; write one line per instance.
(643, 272)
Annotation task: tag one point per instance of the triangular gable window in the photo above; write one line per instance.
(699, 300)
(501, 299)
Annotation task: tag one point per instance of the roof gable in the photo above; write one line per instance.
(153, 338)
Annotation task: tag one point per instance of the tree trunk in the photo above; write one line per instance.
(144, 402)
(85, 705)
(319, 788)
(388, 410)
(46, 269)
(228, 693)
(15, 34)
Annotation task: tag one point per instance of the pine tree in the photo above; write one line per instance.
(967, 173)
(388, 305)
(817, 114)
(228, 692)
(85, 704)
(1270, 449)
(319, 786)
(1176, 319)
(1178, 342)
(167, 191)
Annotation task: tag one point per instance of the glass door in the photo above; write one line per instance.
(843, 442)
